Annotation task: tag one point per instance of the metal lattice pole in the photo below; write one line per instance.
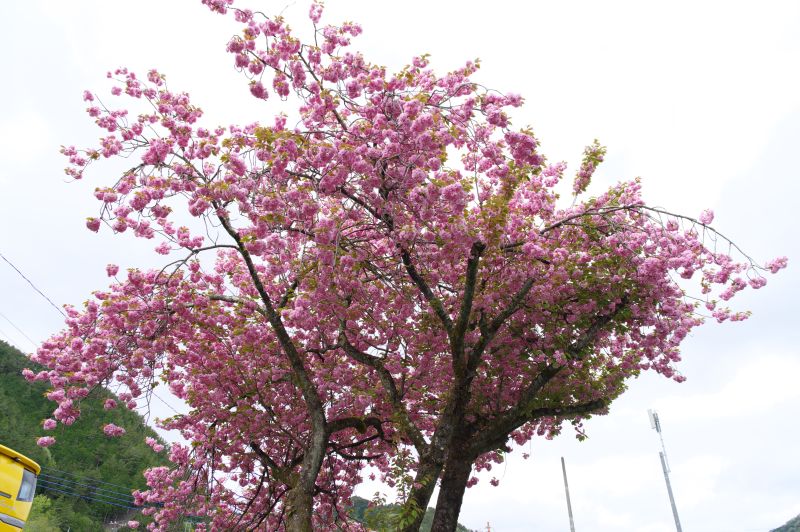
(566, 489)
(662, 454)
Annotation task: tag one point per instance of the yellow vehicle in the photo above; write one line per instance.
(18, 475)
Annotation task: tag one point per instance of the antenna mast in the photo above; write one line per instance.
(656, 424)
(566, 490)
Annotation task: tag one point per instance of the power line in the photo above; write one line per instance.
(166, 403)
(111, 494)
(73, 488)
(18, 329)
(97, 497)
(57, 488)
(47, 483)
(10, 341)
(33, 285)
(89, 479)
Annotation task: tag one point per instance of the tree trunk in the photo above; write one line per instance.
(300, 500)
(299, 504)
(417, 502)
(451, 493)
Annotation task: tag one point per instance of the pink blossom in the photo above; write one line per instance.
(153, 443)
(220, 6)
(315, 12)
(45, 441)
(109, 404)
(236, 45)
(133, 524)
(49, 424)
(57, 395)
(163, 248)
(775, 265)
(258, 90)
(154, 77)
(593, 155)
(706, 217)
(112, 270)
(93, 224)
(157, 152)
(113, 430)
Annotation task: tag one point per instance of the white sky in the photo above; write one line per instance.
(700, 99)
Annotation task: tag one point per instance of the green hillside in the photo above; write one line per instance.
(793, 525)
(81, 454)
(381, 518)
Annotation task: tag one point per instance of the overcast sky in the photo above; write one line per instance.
(700, 99)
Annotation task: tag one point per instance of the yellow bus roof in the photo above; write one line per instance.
(21, 458)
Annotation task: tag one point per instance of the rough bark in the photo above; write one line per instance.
(299, 505)
(451, 493)
(417, 502)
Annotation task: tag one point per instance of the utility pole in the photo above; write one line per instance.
(662, 454)
(566, 489)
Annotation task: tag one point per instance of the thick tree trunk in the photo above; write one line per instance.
(300, 500)
(417, 502)
(451, 493)
(299, 504)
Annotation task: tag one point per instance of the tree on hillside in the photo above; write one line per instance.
(393, 280)
(792, 525)
(43, 516)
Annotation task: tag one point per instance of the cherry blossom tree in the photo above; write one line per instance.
(393, 280)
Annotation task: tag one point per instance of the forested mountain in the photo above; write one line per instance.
(793, 525)
(83, 460)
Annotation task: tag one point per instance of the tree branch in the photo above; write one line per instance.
(309, 390)
(358, 201)
(489, 330)
(289, 293)
(255, 495)
(460, 329)
(238, 300)
(427, 293)
(516, 416)
(411, 430)
(575, 349)
(353, 422)
(277, 470)
(487, 441)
